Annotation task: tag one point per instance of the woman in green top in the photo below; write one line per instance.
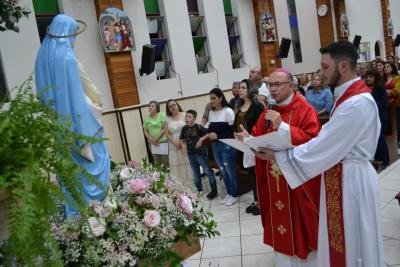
(153, 126)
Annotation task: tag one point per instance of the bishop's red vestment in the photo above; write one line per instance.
(289, 217)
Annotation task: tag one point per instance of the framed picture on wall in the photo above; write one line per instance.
(116, 31)
(344, 26)
(267, 28)
(364, 52)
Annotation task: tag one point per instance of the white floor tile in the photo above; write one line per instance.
(392, 248)
(391, 228)
(252, 227)
(222, 262)
(389, 183)
(247, 216)
(215, 205)
(228, 229)
(192, 263)
(391, 212)
(221, 247)
(227, 215)
(253, 244)
(258, 260)
(386, 195)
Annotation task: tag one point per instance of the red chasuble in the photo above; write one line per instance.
(289, 217)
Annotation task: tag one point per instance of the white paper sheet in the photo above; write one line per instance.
(273, 141)
(162, 149)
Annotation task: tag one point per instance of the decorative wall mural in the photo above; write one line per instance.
(344, 26)
(116, 31)
(267, 28)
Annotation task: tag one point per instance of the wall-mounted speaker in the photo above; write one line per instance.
(284, 48)
(397, 40)
(356, 41)
(148, 59)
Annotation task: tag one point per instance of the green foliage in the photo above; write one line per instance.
(35, 143)
(10, 13)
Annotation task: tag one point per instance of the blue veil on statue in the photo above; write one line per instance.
(58, 81)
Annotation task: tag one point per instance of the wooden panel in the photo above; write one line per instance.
(119, 67)
(389, 48)
(325, 24)
(268, 51)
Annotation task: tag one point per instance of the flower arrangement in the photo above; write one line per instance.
(146, 214)
(10, 13)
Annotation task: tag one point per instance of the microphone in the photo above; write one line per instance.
(271, 104)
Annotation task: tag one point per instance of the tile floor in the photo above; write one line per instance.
(240, 243)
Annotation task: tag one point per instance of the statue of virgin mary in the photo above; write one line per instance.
(62, 82)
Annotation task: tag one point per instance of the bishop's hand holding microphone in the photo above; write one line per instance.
(271, 115)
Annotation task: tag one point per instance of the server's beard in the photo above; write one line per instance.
(335, 78)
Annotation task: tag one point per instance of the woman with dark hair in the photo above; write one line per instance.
(248, 111)
(375, 82)
(390, 73)
(178, 162)
(221, 119)
(153, 127)
(392, 85)
(380, 65)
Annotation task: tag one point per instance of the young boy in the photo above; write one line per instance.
(190, 135)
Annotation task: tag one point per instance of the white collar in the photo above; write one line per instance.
(286, 101)
(342, 88)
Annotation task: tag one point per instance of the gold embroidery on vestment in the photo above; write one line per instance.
(282, 229)
(276, 173)
(279, 205)
(334, 209)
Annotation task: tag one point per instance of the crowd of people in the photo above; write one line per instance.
(349, 96)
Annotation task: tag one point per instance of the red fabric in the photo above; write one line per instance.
(390, 86)
(356, 88)
(334, 212)
(293, 229)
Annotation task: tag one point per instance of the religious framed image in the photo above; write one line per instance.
(267, 28)
(116, 31)
(344, 26)
(364, 52)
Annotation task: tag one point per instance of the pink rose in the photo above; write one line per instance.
(151, 218)
(185, 204)
(136, 186)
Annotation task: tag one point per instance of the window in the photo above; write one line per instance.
(200, 44)
(45, 11)
(159, 38)
(233, 35)
(294, 30)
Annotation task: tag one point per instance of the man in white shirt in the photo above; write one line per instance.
(258, 83)
(349, 225)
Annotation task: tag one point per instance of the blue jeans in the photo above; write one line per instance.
(195, 162)
(225, 157)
